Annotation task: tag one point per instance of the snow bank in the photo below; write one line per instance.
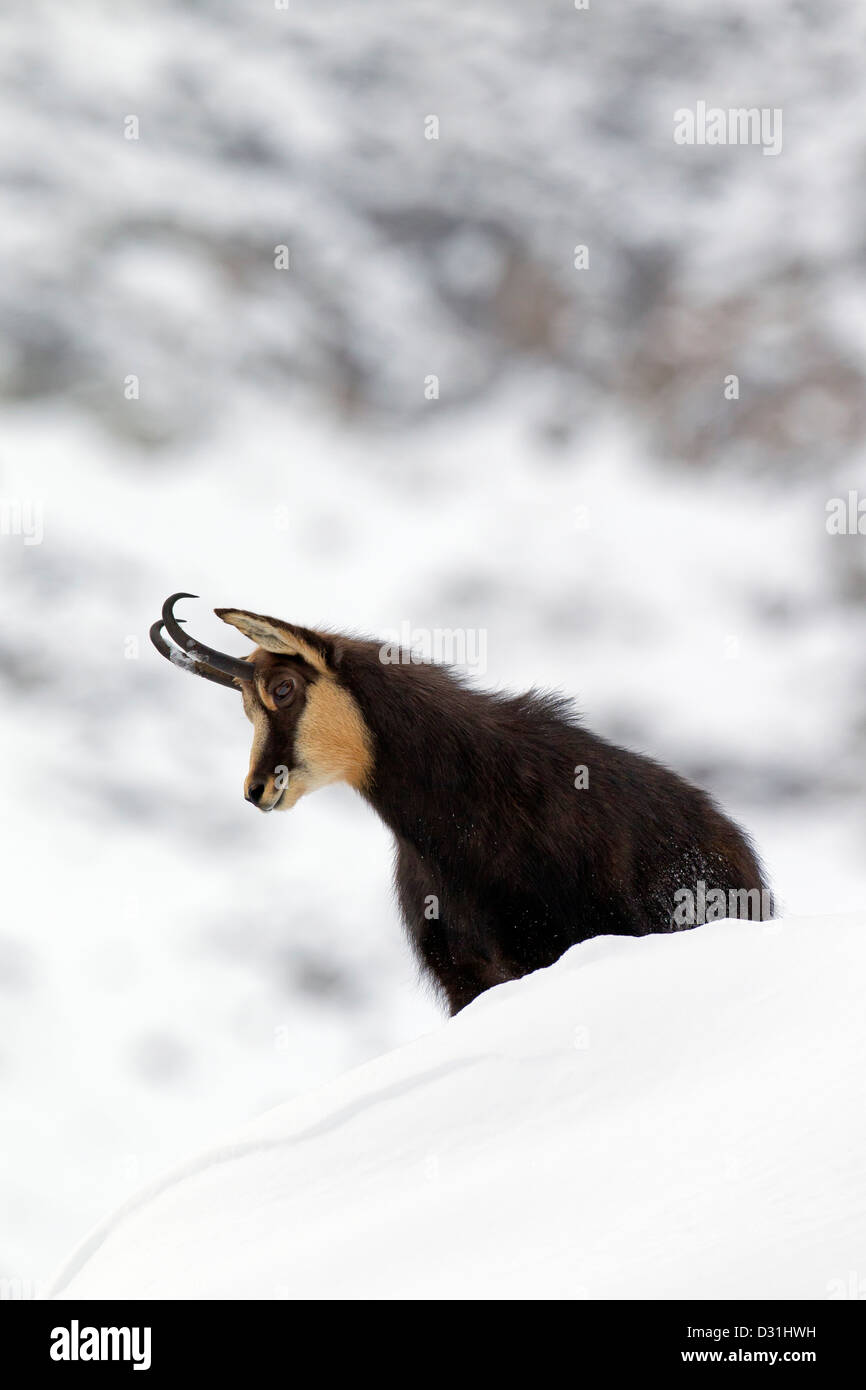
(668, 1117)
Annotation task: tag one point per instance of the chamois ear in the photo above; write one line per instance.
(273, 635)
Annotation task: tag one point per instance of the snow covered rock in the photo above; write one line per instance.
(667, 1117)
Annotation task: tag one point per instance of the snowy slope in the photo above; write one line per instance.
(666, 1117)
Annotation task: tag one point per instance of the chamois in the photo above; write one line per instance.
(518, 832)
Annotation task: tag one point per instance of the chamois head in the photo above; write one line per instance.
(307, 728)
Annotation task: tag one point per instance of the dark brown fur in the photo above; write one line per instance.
(502, 863)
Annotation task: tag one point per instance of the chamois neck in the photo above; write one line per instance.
(438, 750)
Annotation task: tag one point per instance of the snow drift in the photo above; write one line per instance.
(668, 1117)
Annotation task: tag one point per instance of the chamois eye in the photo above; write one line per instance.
(284, 690)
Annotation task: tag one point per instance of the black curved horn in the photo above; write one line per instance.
(179, 658)
(195, 656)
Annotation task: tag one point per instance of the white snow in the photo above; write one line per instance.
(675, 1116)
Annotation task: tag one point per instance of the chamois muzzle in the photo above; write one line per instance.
(194, 656)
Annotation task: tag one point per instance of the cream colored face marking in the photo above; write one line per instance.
(331, 740)
(261, 732)
(262, 692)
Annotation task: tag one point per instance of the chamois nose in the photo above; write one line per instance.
(254, 792)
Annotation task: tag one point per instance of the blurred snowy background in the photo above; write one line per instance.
(172, 962)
